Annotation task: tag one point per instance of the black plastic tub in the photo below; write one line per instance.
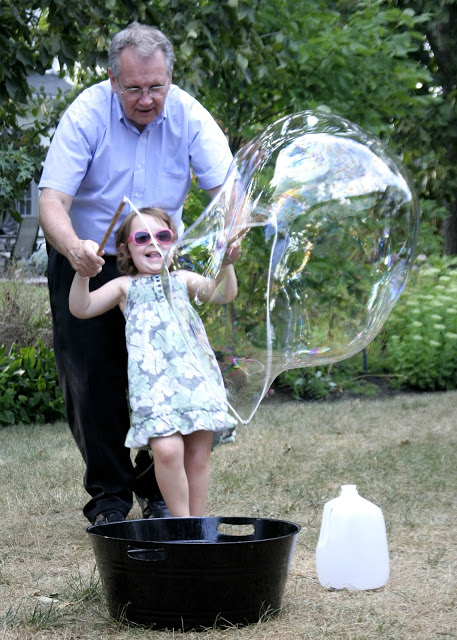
(191, 573)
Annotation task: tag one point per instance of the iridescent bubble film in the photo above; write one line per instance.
(328, 220)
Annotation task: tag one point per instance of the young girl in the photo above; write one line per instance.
(177, 397)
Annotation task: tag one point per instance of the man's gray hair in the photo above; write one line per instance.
(144, 40)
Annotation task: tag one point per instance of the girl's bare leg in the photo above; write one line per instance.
(197, 452)
(170, 472)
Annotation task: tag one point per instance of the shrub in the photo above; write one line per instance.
(420, 336)
(29, 390)
(195, 203)
(37, 264)
(416, 349)
(312, 383)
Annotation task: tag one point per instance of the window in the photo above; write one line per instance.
(28, 206)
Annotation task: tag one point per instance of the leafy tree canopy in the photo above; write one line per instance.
(388, 65)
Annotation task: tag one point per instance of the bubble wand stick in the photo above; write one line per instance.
(111, 227)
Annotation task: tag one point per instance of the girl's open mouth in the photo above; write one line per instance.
(154, 255)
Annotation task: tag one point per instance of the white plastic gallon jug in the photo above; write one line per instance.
(352, 551)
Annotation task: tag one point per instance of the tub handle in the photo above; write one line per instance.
(239, 530)
(147, 555)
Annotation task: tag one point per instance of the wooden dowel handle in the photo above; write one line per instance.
(111, 227)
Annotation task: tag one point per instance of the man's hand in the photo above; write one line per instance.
(84, 259)
(57, 227)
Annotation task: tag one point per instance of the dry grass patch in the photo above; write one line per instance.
(25, 315)
(400, 451)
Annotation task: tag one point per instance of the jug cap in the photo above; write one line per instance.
(349, 488)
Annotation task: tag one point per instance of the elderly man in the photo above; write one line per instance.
(134, 135)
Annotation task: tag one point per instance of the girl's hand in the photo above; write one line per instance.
(233, 254)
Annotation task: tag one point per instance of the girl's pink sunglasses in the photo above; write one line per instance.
(140, 238)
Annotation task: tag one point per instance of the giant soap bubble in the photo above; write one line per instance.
(328, 220)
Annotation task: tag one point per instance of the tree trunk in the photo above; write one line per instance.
(450, 231)
(443, 39)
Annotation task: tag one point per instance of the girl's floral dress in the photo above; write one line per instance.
(175, 384)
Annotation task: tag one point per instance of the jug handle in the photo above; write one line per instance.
(325, 526)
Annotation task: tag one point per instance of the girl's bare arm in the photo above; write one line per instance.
(223, 289)
(88, 304)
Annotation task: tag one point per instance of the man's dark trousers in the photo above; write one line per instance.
(91, 361)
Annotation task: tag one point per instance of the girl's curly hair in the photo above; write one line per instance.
(124, 260)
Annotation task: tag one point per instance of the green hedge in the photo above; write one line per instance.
(420, 336)
(415, 350)
(29, 390)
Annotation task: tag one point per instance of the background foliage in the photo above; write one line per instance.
(415, 350)
(387, 65)
(420, 338)
(29, 390)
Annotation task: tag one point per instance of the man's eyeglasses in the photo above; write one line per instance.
(140, 238)
(135, 93)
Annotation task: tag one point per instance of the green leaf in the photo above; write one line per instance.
(241, 61)
(186, 48)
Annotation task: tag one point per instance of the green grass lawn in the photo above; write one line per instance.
(400, 451)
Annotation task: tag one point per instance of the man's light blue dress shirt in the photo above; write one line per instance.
(98, 157)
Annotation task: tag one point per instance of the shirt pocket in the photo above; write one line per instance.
(172, 189)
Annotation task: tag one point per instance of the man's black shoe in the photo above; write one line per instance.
(153, 508)
(109, 516)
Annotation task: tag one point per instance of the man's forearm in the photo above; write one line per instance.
(55, 221)
(59, 232)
